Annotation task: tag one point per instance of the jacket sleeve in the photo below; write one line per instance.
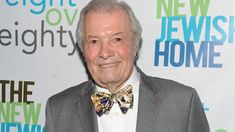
(49, 127)
(197, 118)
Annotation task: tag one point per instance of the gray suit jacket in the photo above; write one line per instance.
(164, 106)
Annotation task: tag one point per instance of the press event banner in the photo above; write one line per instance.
(189, 41)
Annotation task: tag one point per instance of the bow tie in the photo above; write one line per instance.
(103, 102)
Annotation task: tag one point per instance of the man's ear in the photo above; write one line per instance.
(137, 50)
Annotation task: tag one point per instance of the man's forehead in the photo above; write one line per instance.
(109, 35)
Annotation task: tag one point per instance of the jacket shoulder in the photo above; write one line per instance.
(71, 94)
(167, 86)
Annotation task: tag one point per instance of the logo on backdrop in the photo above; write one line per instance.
(51, 32)
(201, 36)
(16, 104)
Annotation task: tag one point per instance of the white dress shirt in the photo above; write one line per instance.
(116, 121)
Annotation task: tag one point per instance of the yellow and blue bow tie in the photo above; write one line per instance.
(103, 102)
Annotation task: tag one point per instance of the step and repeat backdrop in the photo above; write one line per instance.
(190, 41)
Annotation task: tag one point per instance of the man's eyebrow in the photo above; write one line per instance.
(91, 36)
(119, 33)
(115, 34)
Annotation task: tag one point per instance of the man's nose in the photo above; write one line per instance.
(106, 50)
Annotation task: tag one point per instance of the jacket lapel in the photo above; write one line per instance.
(85, 109)
(148, 107)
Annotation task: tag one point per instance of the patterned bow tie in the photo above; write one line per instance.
(103, 102)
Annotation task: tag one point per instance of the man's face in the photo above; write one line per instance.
(109, 49)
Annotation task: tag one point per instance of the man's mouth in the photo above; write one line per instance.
(108, 65)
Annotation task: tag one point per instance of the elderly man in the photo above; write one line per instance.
(120, 97)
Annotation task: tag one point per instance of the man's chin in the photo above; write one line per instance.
(108, 81)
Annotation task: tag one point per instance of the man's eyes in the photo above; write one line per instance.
(94, 41)
(118, 39)
(115, 40)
